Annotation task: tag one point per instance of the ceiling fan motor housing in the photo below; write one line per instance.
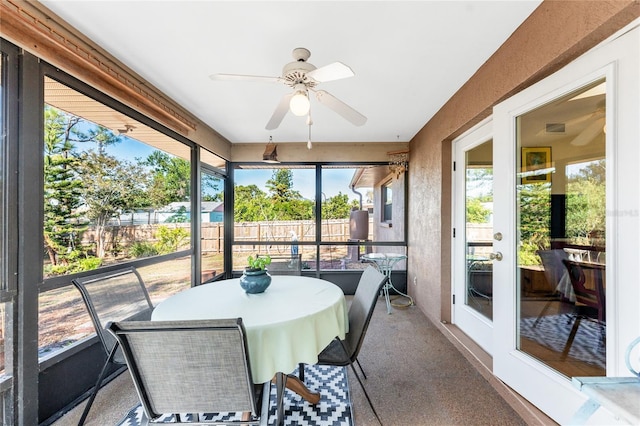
(296, 73)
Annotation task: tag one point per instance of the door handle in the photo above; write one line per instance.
(496, 256)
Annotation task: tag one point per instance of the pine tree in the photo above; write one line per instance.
(62, 187)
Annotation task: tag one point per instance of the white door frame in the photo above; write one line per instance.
(617, 60)
(470, 321)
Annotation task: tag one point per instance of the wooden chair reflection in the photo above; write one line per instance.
(553, 272)
(590, 302)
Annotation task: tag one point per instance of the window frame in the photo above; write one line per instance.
(194, 250)
(9, 227)
(317, 242)
(386, 207)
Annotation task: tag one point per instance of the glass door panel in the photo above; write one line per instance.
(564, 152)
(561, 257)
(473, 299)
(478, 174)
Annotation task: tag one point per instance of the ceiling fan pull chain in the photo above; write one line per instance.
(309, 122)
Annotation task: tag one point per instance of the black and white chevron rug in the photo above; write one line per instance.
(334, 408)
(553, 331)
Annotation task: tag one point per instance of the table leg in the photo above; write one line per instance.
(388, 285)
(385, 291)
(281, 381)
(294, 384)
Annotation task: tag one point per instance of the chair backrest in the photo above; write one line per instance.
(553, 267)
(199, 366)
(114, 296)
(593, 297)
(285, 265)
(361, 309)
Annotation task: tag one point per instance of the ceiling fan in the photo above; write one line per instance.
(303, 77)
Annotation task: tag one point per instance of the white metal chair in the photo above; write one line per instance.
(345, 352)
(112, 296)
(194, 367)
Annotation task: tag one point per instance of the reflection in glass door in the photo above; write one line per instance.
(473, 298)
(561, 258)
(563, 146)
(478, 175)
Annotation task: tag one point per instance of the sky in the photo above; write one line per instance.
(333, 182)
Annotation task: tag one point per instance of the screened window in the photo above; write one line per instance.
(115, 190)
(275, 213)
(212, 183)
(274, 205)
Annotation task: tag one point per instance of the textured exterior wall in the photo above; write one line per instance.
(555, 34)
(321, 151)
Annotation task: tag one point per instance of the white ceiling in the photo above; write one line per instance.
(409, 57)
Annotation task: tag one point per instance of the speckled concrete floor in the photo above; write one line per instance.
(416, 376)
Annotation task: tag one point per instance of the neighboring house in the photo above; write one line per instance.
(212, 211)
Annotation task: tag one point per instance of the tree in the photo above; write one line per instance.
(280, 186)
(100, 135)
(250, 204)
(535, 220)
(170, 179)
(338, 207)
(211, 188)
(62, 187)
(111, 187)
(476, 212)
(480, 183)
(586, 203)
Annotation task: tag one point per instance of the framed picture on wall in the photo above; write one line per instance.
(536, 164)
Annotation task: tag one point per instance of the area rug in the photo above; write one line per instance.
(334, 408)
(553, 331)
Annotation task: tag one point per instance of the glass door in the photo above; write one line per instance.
(561, 240)
(473, 239)
(562, 150)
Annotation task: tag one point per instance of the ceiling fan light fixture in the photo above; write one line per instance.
(299, 104)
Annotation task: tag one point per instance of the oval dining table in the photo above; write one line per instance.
(288, 324)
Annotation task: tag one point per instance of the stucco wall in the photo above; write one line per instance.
(325, 151)
(555, 34)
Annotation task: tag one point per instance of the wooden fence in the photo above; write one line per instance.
(121, 237)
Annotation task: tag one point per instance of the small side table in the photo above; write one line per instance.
(385, 263)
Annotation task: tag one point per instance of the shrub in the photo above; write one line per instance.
(87, 264)
(142, 249)
(170, 239)
(77, 264)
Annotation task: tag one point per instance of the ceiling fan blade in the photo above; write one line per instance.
(280, 112)
(340, 107)
(240, 77)
(589, 133)
(334, 71)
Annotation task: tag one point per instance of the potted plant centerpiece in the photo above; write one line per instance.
(255, 278)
